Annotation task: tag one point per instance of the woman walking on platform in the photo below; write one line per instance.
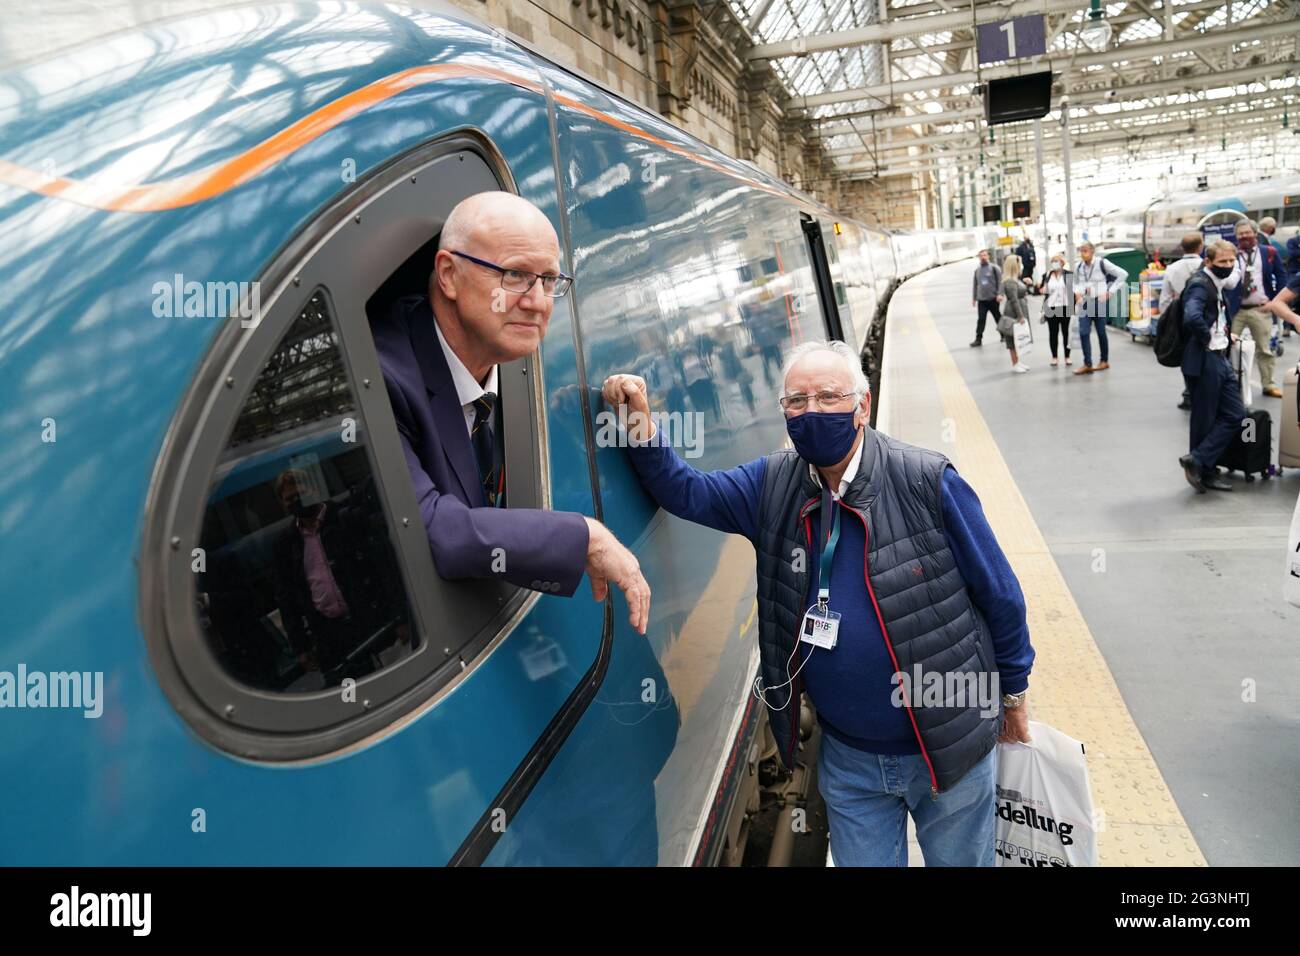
(1016, 310)
(1056, 292)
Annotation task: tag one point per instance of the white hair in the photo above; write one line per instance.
(851, 362)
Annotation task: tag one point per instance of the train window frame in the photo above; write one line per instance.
(348, 250)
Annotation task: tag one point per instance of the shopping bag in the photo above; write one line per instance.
(1291, 583)
(1044, 806)
(1076, 345)
(1024, 337)
(1242, 356)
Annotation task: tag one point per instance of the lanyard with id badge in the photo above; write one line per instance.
(821, 625)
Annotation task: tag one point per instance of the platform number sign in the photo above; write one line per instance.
(1013, 39)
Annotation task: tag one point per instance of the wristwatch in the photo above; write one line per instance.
(1012, 701)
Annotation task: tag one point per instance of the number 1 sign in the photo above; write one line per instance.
(1013, 39)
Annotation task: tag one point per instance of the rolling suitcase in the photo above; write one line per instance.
(1288, 446)
(1251, 457)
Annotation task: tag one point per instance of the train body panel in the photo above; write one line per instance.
(1159, 226)
(563, 737)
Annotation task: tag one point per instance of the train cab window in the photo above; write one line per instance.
(301, 586)
(289, 599)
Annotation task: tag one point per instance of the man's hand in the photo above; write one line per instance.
(627, 393)
(973, 303)
(607, 560)
(1015, 727)
(1103, 296)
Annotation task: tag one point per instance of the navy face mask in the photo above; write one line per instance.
(822, 438)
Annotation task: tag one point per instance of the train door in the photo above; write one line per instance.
(826, 290)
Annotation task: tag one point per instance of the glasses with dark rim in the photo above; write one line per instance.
(517, 280)
(825, 399)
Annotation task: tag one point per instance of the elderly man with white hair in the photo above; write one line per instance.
(879, 580)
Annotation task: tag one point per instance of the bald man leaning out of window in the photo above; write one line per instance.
(494, 281)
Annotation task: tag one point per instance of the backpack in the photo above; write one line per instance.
(1170, 338)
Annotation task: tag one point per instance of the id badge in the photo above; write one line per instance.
(820, 628)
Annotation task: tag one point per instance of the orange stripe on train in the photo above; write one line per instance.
(207, 183)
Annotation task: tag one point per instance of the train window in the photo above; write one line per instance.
(290, 603)
(1291, 215)
(299, 587)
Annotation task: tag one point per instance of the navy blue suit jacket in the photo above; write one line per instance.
(1200, 309)
(1271, 269)
(544, 550)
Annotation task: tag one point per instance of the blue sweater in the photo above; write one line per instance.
(852, 686)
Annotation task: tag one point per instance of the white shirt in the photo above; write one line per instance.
(1090, 278)
(1219, 330)
(1255, 263)
(850, 472)
(467, 389)
(1056, 291)
(1176, 276)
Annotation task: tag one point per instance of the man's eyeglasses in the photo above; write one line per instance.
(825, 399)
(516, 280)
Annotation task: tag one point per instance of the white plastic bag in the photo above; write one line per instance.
(1242, 356)
(1291, 583)
(1024, 338)
(1044, 805)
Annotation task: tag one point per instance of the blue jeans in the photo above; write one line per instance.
(1085, 337)
(868, 795)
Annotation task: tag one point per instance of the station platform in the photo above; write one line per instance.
(1162, 639)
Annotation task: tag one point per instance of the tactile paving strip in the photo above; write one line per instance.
(925, 401)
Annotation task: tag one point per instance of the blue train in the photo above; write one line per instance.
(198, 216)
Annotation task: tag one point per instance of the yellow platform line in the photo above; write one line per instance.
(1072, 689)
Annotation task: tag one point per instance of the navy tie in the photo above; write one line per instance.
(483, 438)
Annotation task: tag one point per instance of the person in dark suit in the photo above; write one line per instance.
(490, 295)
(333, 584)
(1028, 260)
(1217, 410)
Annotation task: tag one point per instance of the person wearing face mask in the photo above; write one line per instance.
(1217, 410)
(1262, 278)
(874, 560)
(1058, 296)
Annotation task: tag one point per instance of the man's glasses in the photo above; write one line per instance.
(516, 280)
(825, 399)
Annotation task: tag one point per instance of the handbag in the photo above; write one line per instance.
(1024, 337)
(1044, 806)
(1241, 355)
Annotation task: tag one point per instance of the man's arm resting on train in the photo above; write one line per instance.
(723, 500)
(526, 546)
(993, 588)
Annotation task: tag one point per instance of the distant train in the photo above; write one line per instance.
(310, 153)
(1160, 225)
